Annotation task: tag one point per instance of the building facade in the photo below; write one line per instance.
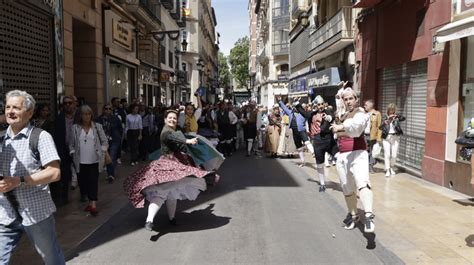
(321, 48)
(457, 37)
(271, 64)
(200, 60)
(422, 70)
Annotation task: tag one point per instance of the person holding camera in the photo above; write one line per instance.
(391, 132)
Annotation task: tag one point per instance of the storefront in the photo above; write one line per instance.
(120, 61)
(460, 36)
(31, 50)
(149, 85)
(324, 83)
(405, 85)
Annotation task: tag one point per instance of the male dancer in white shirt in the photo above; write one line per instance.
(352, 162)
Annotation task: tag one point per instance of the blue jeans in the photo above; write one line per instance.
(42, 235)
(114, 150)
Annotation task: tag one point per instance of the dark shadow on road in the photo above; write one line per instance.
(470, 241)
(197, 220)
(369, 236)
(466, 202)
(329, 185)
(237, 173)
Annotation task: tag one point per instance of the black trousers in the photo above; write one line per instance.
(88, 179)
(60, 189)
(133, 144)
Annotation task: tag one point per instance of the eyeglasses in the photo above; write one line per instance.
(107, 108)
(67, 102)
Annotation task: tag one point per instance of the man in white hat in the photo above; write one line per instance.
(319, 123)
(353, 161)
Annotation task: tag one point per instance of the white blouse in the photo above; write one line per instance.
(88, 154)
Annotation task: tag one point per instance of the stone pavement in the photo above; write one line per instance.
(422, 223)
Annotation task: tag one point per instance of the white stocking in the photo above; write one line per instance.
(351, 202)
(366, 198)
(171, 207)
(152, 211)
(320, 170)
(301, 156)
(249, 146)
(309, 146)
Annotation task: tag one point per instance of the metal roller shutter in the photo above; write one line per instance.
(27, 51)
(405, 85)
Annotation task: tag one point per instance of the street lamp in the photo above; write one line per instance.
(304, 19)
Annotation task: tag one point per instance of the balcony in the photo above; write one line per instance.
(147, 11)
(332, 36)
(280, 48)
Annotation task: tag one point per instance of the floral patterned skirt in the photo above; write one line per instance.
(167, 169)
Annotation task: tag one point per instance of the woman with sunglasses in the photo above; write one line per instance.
(113, 130)
(319, 121)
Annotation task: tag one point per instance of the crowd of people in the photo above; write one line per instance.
(186, 145)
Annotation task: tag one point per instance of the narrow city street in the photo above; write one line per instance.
(263, 211)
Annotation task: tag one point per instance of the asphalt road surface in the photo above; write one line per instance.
(263, 211)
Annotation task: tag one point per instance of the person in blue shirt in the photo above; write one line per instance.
(298, 126)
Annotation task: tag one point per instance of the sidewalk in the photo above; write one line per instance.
(73, 225)
(419, 221)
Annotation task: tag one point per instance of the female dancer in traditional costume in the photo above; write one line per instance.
(170, 178)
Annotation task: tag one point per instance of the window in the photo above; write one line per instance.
(280, 41)
(467, 83)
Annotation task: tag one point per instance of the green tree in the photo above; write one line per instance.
(224, 71)
(239, 62)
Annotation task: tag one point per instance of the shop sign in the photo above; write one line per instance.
(327, 77)
(298, 85)
(467, 5)
(165, 77)
(122, 35)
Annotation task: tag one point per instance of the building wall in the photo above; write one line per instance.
(397, 32)
(83, 32)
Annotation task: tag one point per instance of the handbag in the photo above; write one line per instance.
(376, 149)
(107, 157)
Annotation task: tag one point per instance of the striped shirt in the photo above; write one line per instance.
(16, 159)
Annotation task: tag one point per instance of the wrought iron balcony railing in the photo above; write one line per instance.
(337, 28)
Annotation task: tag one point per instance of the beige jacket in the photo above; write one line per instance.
(375, 123)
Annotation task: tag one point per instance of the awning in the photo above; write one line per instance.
(456, 30)
(324, 78)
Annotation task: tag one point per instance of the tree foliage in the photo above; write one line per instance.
(239, 61)
(224, 71)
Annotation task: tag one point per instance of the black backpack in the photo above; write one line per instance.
(33, 142)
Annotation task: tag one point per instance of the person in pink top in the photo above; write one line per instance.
(353, 161)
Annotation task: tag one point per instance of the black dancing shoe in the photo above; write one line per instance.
(173, 222)
(149, 226)
(322, 188)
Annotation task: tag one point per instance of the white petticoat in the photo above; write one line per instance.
(183, 189)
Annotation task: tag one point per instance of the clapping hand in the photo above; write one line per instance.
(192, 141)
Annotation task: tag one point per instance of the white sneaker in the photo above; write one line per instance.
(392, 171)
(119, 161)
(387, 173)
